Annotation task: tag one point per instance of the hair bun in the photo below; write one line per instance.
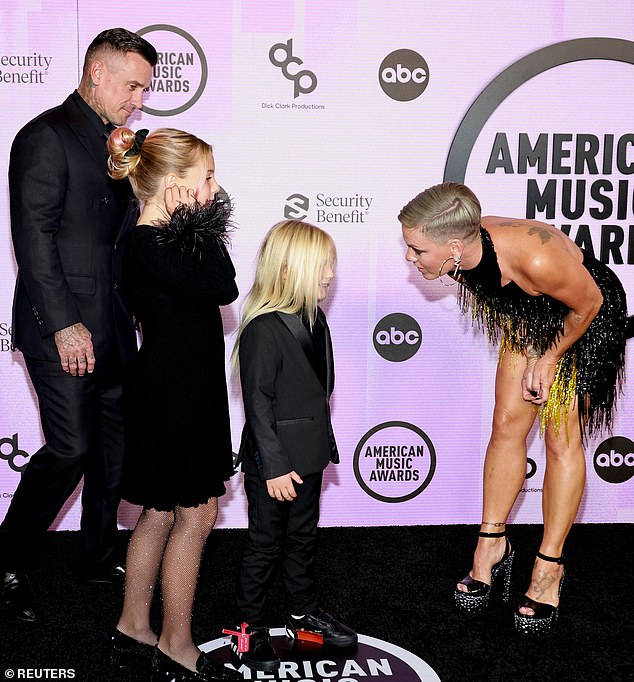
(121, 162)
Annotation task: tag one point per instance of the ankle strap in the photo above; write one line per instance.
(552, 559)
(482, 534)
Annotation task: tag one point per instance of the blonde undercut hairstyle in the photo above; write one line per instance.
(445, 211)
(164, 151)
(288, 274)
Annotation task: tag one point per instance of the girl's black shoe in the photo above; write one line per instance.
(165, 669)
(544, 615)
(478, 594)
(128, 655)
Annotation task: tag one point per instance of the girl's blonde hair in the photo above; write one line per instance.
(288, 274)
(164, 151)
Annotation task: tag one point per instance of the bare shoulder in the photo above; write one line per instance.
(528, 248)
(529, 236)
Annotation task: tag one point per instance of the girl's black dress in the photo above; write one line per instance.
(176, 414)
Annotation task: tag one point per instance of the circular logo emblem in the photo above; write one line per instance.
(180, 74)
(516, 75)
(394, 462)
(403, 75)
(614, 460)
(397, 337)
(371, 659)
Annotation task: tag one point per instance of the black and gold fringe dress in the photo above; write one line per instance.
(592, 369)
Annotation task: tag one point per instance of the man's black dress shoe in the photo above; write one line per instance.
(261, 654)
(165, 669)
(127, 652)
(16, 595)
(319, 625)
(106, 575)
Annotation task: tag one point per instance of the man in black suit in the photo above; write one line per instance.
(69, 318)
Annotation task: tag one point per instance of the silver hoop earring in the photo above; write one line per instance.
(454, 274)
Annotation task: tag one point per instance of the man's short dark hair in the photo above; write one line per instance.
(120, 40)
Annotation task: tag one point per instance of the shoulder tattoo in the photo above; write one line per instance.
(543, 233)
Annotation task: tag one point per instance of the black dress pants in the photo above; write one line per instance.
(83, 433)
(283, 532)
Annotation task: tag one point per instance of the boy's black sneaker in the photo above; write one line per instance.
(319, 625)
(261, 654)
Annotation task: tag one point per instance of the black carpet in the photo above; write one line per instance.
(394, 584)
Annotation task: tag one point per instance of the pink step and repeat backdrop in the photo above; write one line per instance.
(339, 111)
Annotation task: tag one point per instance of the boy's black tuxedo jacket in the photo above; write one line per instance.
(287, 412)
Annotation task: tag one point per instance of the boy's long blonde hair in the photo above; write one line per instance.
(288, 274)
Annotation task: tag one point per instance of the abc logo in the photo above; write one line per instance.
(614, 460)
(296, 207)
(397, 337)
(403, 75)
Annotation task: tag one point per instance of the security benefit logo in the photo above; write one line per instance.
(404, 75)
(325, 208)
(5, 337)
(394, 462)
(180, 75)
(397, 337)
(24, 69)
(614, 460)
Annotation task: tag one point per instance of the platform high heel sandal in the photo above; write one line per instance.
(478, 594)
(544, 615)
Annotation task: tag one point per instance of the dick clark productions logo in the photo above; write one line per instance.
(15, 458)
(394, 461)
(304, 81)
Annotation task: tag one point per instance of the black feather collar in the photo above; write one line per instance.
(190, 228)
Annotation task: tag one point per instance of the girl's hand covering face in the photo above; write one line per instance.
(177, 195)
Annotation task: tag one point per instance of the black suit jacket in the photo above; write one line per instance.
(66, 223)
(286, 407)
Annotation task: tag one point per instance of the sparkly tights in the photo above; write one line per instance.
(173, 542)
